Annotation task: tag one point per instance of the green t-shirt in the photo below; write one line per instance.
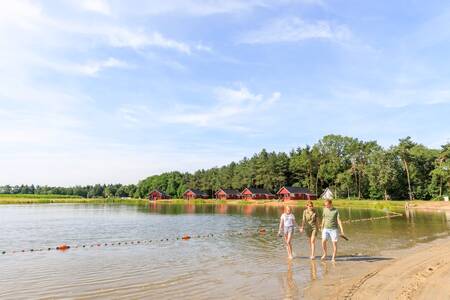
(330, 217)
(309, 218)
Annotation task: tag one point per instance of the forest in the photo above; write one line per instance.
(352, 168)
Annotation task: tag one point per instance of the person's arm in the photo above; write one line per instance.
(295, 222)
(340, 225)
(317, 222)
(303, 222)
(323, 223)
(281, 224)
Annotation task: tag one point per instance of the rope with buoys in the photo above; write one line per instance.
(260, 231)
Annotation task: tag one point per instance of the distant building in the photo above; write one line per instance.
(195, 194)
(256, 194)
(224, 194)
(287, 193)
(157, 195)
(327, 194)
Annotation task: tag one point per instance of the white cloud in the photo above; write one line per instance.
(207, 7)
(91, 68)
(98, 6)
(28, 20)
(229, 110)
(124, 38)
(293, 29)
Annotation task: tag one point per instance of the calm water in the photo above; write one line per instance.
(228, 266)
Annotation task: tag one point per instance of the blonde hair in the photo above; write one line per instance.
(287, 208)
(309, 202)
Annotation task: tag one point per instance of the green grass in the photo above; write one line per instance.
(37, 199)
(373, 204)
(38, 196)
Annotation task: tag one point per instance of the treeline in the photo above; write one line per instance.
(89, 191)
(351, 167)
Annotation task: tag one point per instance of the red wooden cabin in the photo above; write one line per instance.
(224, 194)
(287, 193)
(256, 194)
(195, 194)
(157, 195)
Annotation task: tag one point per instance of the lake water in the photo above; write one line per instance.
(227, 265)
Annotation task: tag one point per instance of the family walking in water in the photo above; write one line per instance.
(310, 225)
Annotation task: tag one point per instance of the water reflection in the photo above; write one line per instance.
(289, 284)
(313, 270)
(225, 266)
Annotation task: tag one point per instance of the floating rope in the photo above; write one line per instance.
(260, 231)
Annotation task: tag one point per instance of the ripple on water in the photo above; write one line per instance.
(249, 265)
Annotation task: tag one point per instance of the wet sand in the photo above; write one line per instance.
(421, 272)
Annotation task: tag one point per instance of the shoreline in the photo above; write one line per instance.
(419, 272)
(339, 203)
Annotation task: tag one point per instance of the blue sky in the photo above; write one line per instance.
(113, 91)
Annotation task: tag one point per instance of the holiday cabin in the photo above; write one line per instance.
(157, 195)
(327, 194)
(287, 193)
(224, 194)
(195, 194)
(256, 194)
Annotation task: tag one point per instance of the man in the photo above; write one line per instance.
(330, 222)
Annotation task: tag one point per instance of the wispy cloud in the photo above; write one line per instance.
(293, 29)
(91, 68)
(231, 105)
(124, 38)
(208, 7)
(98, 6)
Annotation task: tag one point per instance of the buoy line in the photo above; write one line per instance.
(260, 231)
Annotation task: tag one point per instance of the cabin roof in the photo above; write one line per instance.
(259, 191)
(230, 192)
(159, 191)
(328, 189)
(296, 190)
(197, 192)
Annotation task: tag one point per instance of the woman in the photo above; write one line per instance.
(287, 223)
(310, 225)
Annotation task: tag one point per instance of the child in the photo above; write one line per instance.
(330, 222)
(310, 224)
(287, 222)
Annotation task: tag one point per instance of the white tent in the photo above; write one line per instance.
(327, 194)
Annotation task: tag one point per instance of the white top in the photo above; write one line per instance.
(288, 219)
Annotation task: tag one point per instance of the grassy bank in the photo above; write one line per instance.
(373, 204)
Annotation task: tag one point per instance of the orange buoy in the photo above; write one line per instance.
(185, 237)
(63, 247)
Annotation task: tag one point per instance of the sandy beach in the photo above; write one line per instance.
(421, 272)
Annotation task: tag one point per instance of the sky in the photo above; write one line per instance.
(114, 91)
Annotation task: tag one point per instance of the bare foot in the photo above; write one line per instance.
(333, 259)
(323, 257)
(312, 257)
(290, 257)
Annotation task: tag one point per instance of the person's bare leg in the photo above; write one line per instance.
(334, 251)
(324, 249)
(289, 244)
(313, 246)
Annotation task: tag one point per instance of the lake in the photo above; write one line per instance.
(230, 259)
